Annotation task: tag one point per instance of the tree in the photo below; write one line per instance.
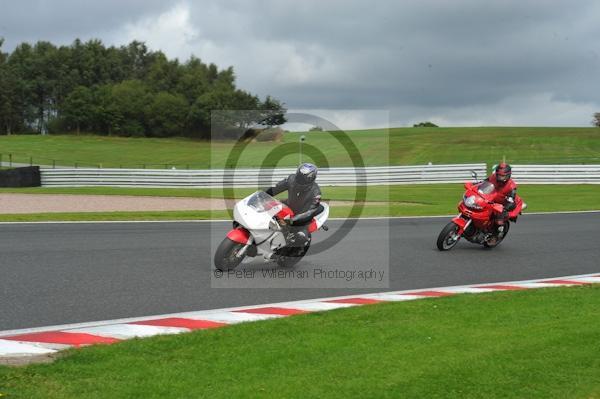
(78, 107)
(596, 121)
(106, 116)
(193, 80)
(425, 124)
(44, 74)
(233, 104)
(11, 96)
(67, 76)
(127, 106)
(137, 58)
(273, 112)
(163, 74)
(20, 64)
(200, 116)
(126, 90)
(166, 115)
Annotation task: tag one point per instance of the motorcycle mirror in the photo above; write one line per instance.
(474, 174)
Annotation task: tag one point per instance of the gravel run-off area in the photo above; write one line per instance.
(43, 203)
(47, 203)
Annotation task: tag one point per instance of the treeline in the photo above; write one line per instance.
(125, 91)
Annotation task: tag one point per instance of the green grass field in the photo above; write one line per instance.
(540, 343)
(530, 344)
(400, 200)
(398, 146)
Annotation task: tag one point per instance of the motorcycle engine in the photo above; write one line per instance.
(477, 237)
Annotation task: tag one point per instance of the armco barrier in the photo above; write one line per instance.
(556, 174)
(216, 178)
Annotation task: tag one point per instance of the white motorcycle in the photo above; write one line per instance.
(257, 231)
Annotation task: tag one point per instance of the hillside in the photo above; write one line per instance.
(399, 146)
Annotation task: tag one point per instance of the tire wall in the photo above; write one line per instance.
(21, 177)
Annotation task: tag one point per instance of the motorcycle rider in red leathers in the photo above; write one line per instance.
(506, 189)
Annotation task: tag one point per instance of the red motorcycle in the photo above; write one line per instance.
(476, 220)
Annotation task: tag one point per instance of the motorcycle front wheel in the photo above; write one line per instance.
(226, 255)
(448, 237)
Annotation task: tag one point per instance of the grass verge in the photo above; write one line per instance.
(511, 345)
(397, 146)
(400, 200)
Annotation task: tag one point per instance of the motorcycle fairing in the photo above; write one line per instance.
(239, 234)
(315, 223)
(461, 223)
(518, 208)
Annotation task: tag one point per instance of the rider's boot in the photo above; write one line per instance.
(297, 238)
(500, 230)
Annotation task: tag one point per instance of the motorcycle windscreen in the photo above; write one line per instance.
(263, 202)
(486, 188)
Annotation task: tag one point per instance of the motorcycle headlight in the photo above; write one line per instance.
(470, 202)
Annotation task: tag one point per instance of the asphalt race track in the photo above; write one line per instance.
(76, 272)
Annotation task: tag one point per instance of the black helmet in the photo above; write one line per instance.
(306, 174)
(503, 172)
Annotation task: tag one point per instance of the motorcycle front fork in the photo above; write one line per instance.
(461, 231)
(242, 252)
(456, 236)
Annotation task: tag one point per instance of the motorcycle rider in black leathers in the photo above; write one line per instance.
(304, 198)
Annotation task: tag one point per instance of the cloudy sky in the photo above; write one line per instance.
(456, 63)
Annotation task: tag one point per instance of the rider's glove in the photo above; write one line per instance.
(285, 222)
(510, 205)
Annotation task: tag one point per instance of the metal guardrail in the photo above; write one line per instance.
(385, 175)
(556, 174)
(216, 178)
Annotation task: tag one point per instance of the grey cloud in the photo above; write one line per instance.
(429, 58)
(62, 21)
(430, 53)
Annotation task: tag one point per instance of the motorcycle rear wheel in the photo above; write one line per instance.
(446, 241)
(226, 255)
(499, 240)
(290, 256)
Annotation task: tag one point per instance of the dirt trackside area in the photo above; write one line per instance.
(43, 203)
(60, 203)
